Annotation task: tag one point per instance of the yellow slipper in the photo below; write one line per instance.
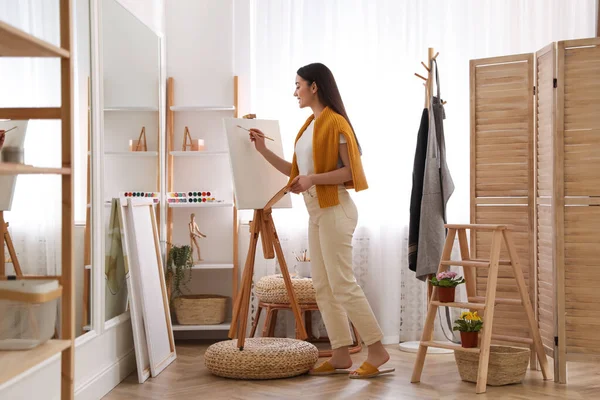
(367, 370)
(327, 369)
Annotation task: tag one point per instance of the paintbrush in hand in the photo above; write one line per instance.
(261, 135)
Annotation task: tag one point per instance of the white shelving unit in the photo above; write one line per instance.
(199, 98)
(17, 43)
(220, 226)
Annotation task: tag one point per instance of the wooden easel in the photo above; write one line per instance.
(142, 139)
(11, 249)
(187, 136)
(262, 225)
(486, 305)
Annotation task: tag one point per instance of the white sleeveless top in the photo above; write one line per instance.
(304, 151)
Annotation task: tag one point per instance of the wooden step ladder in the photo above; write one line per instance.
(485, 304)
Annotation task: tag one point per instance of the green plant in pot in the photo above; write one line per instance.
(469, 324)
(446, 281)
(178, 271)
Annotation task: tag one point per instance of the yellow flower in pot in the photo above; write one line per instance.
(446, 281)
(469, 324)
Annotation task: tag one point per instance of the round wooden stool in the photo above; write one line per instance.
(272, 296)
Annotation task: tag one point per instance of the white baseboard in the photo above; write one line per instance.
(106, 380)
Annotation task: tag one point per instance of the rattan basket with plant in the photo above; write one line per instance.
(194, 309)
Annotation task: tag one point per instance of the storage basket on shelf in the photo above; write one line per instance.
(507, 365)
(28, 311)
(200, 309)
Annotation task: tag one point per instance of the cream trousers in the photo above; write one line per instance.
(339, 296)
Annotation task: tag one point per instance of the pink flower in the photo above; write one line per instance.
(446, 275)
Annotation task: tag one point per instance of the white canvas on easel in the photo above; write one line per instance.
(14, 138)
(147, 268)
(255, 181)
(142, 359)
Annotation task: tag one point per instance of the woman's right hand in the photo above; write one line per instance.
(258, 138)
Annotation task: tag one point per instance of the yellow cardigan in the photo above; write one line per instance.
(326, 146)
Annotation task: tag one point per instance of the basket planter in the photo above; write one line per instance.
(200, 309)
(507, 365)
(469, 339)
(446, 294)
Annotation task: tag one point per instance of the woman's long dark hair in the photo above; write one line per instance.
(327, 90)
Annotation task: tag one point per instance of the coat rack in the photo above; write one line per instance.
(413, 346)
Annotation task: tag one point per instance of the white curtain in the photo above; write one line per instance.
(374, 48)
(35, 215)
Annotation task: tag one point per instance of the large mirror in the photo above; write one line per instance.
(83, 188)
(131, 135)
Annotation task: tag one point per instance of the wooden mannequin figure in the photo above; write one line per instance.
(194, 234)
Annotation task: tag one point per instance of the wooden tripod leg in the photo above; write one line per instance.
(488, 318)
(247, 274)
(255, 322)
(2, 254)
(245, 298)
(427, 334)
(13, 253)
(533, 327)
(288, 281)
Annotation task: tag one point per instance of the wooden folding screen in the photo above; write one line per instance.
(544, 114)
(502, 173)
(556, 210)
(569, 153)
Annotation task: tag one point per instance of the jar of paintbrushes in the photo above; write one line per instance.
(302, 267)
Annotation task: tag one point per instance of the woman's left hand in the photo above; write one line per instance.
(301, 183)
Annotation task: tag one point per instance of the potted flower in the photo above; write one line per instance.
(446, 281)
(178, 271)
(469, 324)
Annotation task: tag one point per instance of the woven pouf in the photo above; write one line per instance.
(271, 289)
(262, 358)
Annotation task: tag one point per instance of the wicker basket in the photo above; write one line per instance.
(507, 365)
(200, 309)
(271, 289)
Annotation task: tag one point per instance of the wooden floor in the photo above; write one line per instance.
(188, 379)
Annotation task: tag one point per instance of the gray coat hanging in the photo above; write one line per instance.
(437, 189)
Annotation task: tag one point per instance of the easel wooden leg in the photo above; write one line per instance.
(255, 322)
(2, 253)
(240, 310)
(533, 327)
(12, 253)
(11, 249)
(287, 279)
